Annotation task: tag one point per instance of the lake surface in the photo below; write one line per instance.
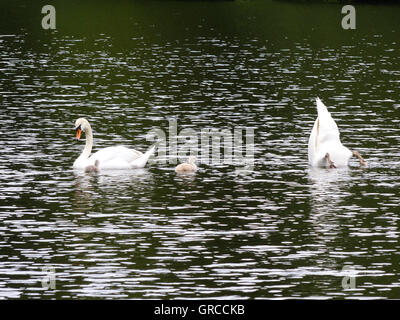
(281, 230)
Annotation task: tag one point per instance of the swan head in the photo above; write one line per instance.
(81, 125)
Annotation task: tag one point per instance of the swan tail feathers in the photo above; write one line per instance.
(326, 124)
(141, 161)
(321, 107)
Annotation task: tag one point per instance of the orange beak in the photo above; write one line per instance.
(78, 134)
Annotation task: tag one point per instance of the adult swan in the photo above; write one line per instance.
(324, 146)
(118, 157)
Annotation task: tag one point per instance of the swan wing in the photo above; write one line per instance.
(141, 161)
(312, 142)
(118, 153)
(121, 158)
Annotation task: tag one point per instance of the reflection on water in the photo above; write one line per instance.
(278, 230)
(186, 179)
(328, 189)
(111, 185)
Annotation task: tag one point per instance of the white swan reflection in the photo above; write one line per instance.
(110, 184)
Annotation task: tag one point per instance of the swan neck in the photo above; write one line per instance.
(89, 143)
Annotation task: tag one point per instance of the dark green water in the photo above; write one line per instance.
(282, 230)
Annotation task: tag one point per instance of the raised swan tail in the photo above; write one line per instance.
(141, 161)
(326, 123)
(321, 107)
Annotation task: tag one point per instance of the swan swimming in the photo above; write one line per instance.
(324, 146)
(118, 157)
(187, 167)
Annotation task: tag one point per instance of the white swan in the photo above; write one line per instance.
(108, 158)
(187, 167)
(324, 146)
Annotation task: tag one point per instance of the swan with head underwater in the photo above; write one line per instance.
(118, 157)
(324, 146)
